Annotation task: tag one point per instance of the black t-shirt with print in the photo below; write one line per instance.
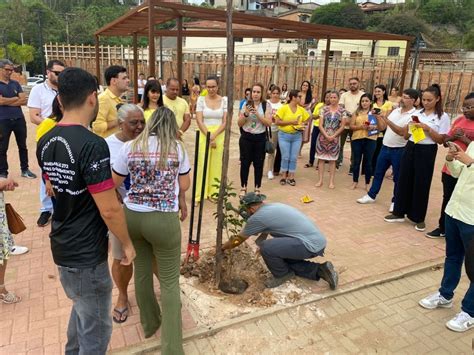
(77, 162)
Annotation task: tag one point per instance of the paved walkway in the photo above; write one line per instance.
(361, 245)
(379, 319)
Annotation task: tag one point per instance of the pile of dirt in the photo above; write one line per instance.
(239, 263)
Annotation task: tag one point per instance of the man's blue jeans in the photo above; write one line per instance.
(387, 156)
(285, 254)
(90, 324)
(459, 248)
(290, 145)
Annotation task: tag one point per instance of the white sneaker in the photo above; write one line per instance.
(461, 322)
(366, 199)
(435, 301)
(270, 175)
(17, 250)
(392, 206)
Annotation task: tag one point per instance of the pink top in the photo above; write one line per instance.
(468, 128)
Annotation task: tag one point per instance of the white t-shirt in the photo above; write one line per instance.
(210, 116)
(142, 83)
(439, 125)
(274, 107)
(115, 145)
(42, 97)
(390, 138)
(152, 189)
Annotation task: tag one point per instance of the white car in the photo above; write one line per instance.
(34, 81)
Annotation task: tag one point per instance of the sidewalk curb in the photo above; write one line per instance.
(204, 331)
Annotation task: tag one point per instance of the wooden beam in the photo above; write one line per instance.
(405, 66)
(151, 39)
(237, 33)
(326, 68)
(135, 68)
(179, 52)
(97, 57)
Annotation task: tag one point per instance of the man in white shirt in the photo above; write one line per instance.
(141, 86)
(393, 144)
(349, 100)
(40, 106)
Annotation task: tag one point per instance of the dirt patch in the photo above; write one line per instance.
(240, 263)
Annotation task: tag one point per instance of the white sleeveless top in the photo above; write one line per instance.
(210, 116)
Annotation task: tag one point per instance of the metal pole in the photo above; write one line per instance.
(326, 67)
(415, 61)
(151, 38)
(203, 186)
(179, 53)
(161, 58)
(43, 66)
(193, 197)
(135, 68)
(405, 65)
(97, 59)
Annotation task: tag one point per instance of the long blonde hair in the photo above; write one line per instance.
(161, 124)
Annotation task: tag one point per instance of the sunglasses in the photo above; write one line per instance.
(10, 70)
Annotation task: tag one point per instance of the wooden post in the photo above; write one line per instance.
(405, 66)
(326, 67)
(97, 58)
(179, 53)
(151, 38)
(228, 127)
(135, 68)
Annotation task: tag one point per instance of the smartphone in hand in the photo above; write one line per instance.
(415, 119)
(453, 147)
(376, 111)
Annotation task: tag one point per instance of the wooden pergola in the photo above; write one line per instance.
(142, 21)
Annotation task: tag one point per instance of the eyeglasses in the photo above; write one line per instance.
(10, 70)
(56, 72)
(467, 108)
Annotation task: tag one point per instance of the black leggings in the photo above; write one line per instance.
(252, 151)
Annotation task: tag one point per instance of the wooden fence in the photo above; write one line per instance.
(454, 76)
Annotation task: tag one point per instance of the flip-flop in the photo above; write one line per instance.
(9, 298)
(123, 312)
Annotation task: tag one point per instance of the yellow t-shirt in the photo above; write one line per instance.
(107, 113)
(360, 120)
(386, 107)
(179, 107)
(285, 114)
(44, 127)
(147, 113)
(316, 113)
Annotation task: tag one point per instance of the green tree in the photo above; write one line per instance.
(442, 12)
(340, 14)
(21, 54)
(402, 24)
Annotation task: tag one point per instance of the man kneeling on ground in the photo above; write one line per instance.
(295, 238)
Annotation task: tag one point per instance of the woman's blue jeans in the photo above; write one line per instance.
(290, 144)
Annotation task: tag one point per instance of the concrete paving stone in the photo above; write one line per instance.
(204, 346)
(190, 348)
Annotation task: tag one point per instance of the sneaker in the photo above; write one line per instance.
(328, 274)
(461, 322)
(365, 199)
(391, 218)
(28, 174)
(436, 233)
(277, 281)
(435, 301)
(44, 219)
(349, 173)
(18, 250)
(392, 207)
(270, 175)
(420, 227)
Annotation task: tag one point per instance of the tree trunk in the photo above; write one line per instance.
(225, 163)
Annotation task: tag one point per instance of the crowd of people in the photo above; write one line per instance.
(115, 171)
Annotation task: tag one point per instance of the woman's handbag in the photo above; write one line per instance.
(15, 222)
(269, 148)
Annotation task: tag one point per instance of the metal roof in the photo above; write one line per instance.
(136, 22)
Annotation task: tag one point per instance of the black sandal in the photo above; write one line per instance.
(308, 165)
(291, 182)
(283, 181)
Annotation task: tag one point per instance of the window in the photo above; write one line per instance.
(333, 55)
(356, 54)
(393, 51)
(304, 18)
(257, 40)
(238, 39)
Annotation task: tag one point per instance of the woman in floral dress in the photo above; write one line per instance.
(331, 125)
(6, 242)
